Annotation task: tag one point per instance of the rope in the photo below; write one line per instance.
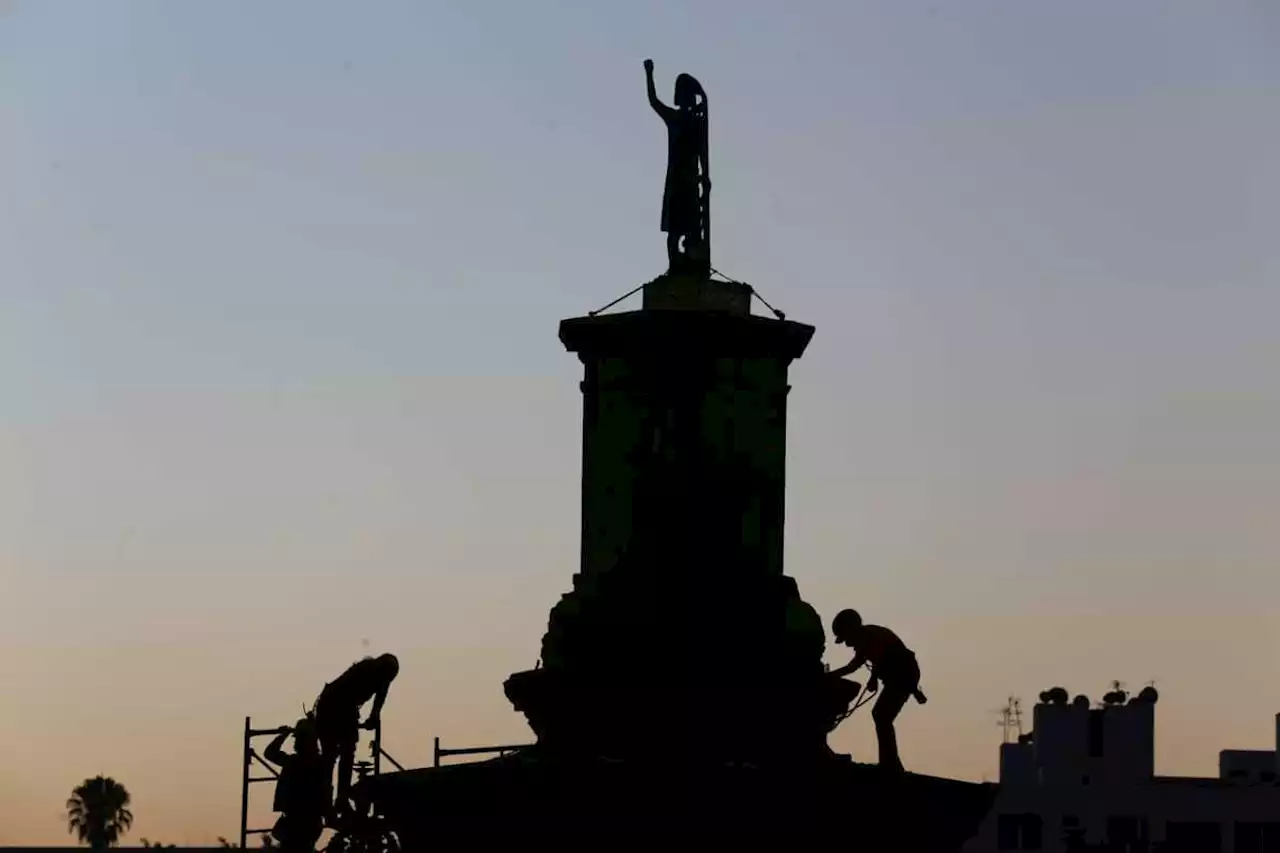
(753, 291)
(863, 699)
(750, 288)
(616, 301)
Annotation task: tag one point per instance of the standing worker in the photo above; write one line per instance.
(303, 790)
(890, 662)
(337, 712)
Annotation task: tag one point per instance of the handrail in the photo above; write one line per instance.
(441, 752)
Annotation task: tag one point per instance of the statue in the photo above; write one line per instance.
(686, 209)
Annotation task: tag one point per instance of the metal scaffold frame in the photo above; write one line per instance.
(250, 756)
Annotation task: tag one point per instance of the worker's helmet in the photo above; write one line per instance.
(845, 624)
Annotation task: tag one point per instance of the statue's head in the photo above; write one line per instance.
(688, 90)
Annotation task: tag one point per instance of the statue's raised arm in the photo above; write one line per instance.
(686, 215)
(664, 111)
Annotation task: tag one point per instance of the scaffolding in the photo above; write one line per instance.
(362, 769)
(250, 756)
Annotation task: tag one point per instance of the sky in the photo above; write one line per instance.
(281, 384)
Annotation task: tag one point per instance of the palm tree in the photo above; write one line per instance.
(98, 812)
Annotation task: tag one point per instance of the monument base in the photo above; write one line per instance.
(531, 801)
(677, 292)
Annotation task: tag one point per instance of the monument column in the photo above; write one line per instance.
(684, 427)
(680, 691)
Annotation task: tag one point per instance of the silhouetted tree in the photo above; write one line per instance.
(222, 842)
(158, 845)
(269, 841)
(98, 812)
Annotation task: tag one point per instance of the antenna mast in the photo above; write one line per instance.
(1011, 718)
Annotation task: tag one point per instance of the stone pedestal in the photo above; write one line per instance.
(532, 802)
(681, 632)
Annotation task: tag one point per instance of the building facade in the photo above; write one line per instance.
(1086, 773)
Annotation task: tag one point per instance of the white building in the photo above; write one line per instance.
(1093, 769)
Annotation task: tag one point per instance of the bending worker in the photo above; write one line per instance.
(892, 663)
(337, 713)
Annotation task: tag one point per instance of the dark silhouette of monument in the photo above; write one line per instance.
(681, 692)
(686, 194)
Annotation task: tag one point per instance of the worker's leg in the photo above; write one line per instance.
(329, 719)
(284, 833)
(308, 831)
(346, 765)
(892, 698)
(329, 735)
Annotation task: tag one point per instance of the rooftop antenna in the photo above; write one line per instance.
(1011, 718)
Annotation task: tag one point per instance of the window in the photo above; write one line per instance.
(1032, 832)
(1095, 733)
(1126, 832)
(1192, 837)
(1008, 836)
(1019, 832)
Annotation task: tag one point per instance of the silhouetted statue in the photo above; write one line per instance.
(686, 213)
(892, 663)
(304, 790)
(337, 714)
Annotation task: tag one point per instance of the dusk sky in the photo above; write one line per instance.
(280, 384)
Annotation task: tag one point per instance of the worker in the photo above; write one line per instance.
(337, 713)
(892, 663)
(303, 792)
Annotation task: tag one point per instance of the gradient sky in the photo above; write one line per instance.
(281, 384)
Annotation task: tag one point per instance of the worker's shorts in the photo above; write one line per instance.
(902, 672)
